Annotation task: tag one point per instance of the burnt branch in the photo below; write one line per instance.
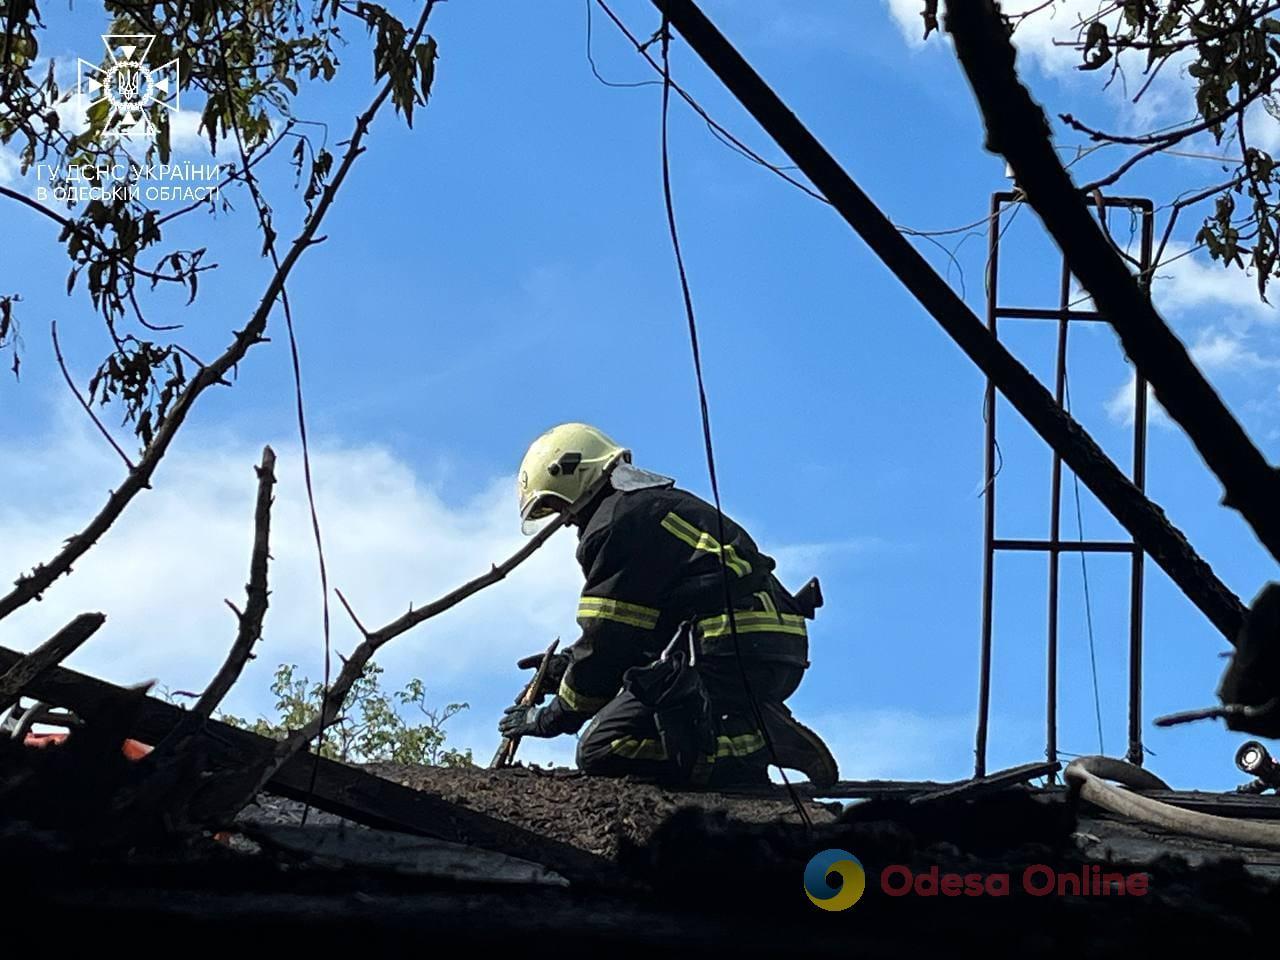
(1018, 129)
(174, 780)
(247, 787)
(47, 656)
(255, 608)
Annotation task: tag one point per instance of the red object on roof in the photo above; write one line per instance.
(132, 749)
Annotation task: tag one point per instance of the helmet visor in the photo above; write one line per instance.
(539, 511)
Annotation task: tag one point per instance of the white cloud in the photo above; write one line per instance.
(1262, 129)
(907, 15)
(797, 562)
(1120, 406)
(162, 572)
(9, 166)
(1235, 331)
(1046, 40)
(1217, 353)
(1034, 37)
(185, 135)
(1189, 282)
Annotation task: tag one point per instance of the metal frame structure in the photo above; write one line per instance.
(1054, 546)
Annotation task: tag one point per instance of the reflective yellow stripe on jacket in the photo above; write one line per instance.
(682, 529)
(648, 748)
(753, 621)
(604, 608)
(580, 702)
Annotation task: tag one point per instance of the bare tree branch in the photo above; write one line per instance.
(30, 586)
(174, 765)
(353, 667)
(351, 613)
(1189, 201)
(47, 656)
(1017, 129)
(1163, 140)
(255, 608)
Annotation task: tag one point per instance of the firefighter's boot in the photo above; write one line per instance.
(797, 747)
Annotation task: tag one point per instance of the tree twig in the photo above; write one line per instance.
(47, 656)
(1157, 143)
(353, 667)
(1182, 204)
(255, 608)
(68, 223)
(1018, 129)
(97, 422)
(1174, 136)
(351, 613)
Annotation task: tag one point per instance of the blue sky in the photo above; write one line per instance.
(505, 266)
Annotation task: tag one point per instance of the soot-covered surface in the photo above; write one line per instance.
(697, 871)
(596, 814)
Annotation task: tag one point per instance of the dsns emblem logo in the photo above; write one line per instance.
(127, 86)
(850, 880)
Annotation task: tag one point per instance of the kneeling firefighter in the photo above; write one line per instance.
(667, 686)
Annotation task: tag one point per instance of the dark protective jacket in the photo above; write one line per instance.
(651, 559)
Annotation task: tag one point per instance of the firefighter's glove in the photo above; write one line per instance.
(555, 670)
(520, 721)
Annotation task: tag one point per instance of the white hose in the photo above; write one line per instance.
(1087, 773)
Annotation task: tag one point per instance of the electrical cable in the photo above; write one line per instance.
(264, 213)
(1084, 574)
(665, 41)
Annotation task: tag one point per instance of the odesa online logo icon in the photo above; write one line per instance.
(841, 895)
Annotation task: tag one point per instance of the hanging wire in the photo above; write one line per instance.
(264, 212)
(596, 70)
(1084, 576)
(665, 41)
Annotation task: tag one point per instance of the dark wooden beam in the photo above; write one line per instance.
(26, 670)
(991, 783)
(339, 789)
(1147, 523)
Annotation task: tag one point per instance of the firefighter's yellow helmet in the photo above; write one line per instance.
(564, 468)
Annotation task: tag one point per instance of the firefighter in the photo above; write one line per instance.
(666, 685)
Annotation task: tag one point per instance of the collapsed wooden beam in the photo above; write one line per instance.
(1144, 520)
(991, 783)
(1018, 130)
(20, 675)
(338, 788)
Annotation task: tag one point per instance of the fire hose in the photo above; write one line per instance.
(1088, 776)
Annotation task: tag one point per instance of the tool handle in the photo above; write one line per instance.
(507, 749)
